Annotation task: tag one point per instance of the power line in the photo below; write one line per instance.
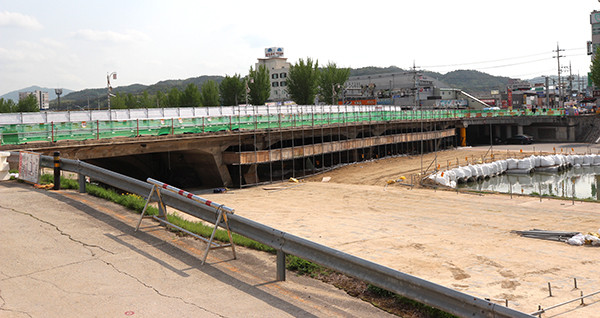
(489, 61)
(507, 59)
(513, 64)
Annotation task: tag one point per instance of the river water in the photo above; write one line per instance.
(581, 183)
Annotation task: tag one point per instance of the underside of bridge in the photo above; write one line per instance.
(244, 158)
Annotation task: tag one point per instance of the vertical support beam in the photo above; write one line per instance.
(56, 170)
(519, 129)
(497, 131)
(571, 133)
(280, 266)
(81, 180)
(251, 176)
(462, 133)
(508, 131)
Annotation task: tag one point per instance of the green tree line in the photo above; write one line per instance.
(304, 83)
(28, 104)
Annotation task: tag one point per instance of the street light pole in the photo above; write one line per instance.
(108, 87)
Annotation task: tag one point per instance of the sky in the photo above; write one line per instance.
(75, 44)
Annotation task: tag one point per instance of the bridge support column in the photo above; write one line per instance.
(519, 130)
(462, 135)
(251, 176)
(508, 131)
(571, 133)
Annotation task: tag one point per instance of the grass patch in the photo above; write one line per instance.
(136, 203)
(304, 267)
(403, 302)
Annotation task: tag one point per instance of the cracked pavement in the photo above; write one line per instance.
(65, 254)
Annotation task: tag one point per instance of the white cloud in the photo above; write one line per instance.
(111, 36)
(14, 19)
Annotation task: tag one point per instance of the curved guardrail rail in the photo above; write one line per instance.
(409, 286)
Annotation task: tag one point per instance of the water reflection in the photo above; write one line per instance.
(580, 183)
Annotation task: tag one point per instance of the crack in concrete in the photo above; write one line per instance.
(86, 245)
(60, 288)
(10, 310)
(46, 269)
(158, 292)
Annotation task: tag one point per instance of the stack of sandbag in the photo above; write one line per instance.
(4, 167)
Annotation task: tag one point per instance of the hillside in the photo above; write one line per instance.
(14, 95)
(471, 81)
(99, 94)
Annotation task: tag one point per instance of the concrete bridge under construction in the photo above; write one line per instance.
(245, 155)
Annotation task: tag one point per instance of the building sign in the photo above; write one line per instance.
(449, 103)
(595, 17)
(274, 52)
(510, 100)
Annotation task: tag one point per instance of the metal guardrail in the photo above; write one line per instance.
(403, 284)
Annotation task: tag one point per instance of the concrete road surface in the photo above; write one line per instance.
(65, 254)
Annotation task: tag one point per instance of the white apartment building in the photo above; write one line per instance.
(42, 98)
(278, 68)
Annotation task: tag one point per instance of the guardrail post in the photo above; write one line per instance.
(56, 170)
(81, 180)
(280, 266)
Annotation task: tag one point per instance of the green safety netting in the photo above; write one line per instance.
(22, 133)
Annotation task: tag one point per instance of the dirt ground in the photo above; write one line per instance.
(462, 241)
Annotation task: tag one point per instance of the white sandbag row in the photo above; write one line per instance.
(469, 173)
(557, 162)
(584, 160)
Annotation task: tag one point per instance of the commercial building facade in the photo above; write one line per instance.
(42, 98)
(279, 69)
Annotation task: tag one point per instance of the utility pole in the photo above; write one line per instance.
(558, 56)
(415, 90)
(547, 91)
(570, 80)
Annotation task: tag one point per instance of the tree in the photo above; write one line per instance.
(173, 98)
(232, 90)
(595, 69)
(259, 85)
(303, 81)
(161, 99)
(28, 104)
(331, 82)
(119, 101)
(191, 96)
(146, 100)
(7, 106)
(210, 93)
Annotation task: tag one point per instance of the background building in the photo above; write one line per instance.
(278, 68)
(42, 98)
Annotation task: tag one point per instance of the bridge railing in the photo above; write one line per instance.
(260, 119)
(446, 299)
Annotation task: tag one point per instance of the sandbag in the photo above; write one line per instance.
(512, 163)
(547, 161)
(578, 240)
(524, 164)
